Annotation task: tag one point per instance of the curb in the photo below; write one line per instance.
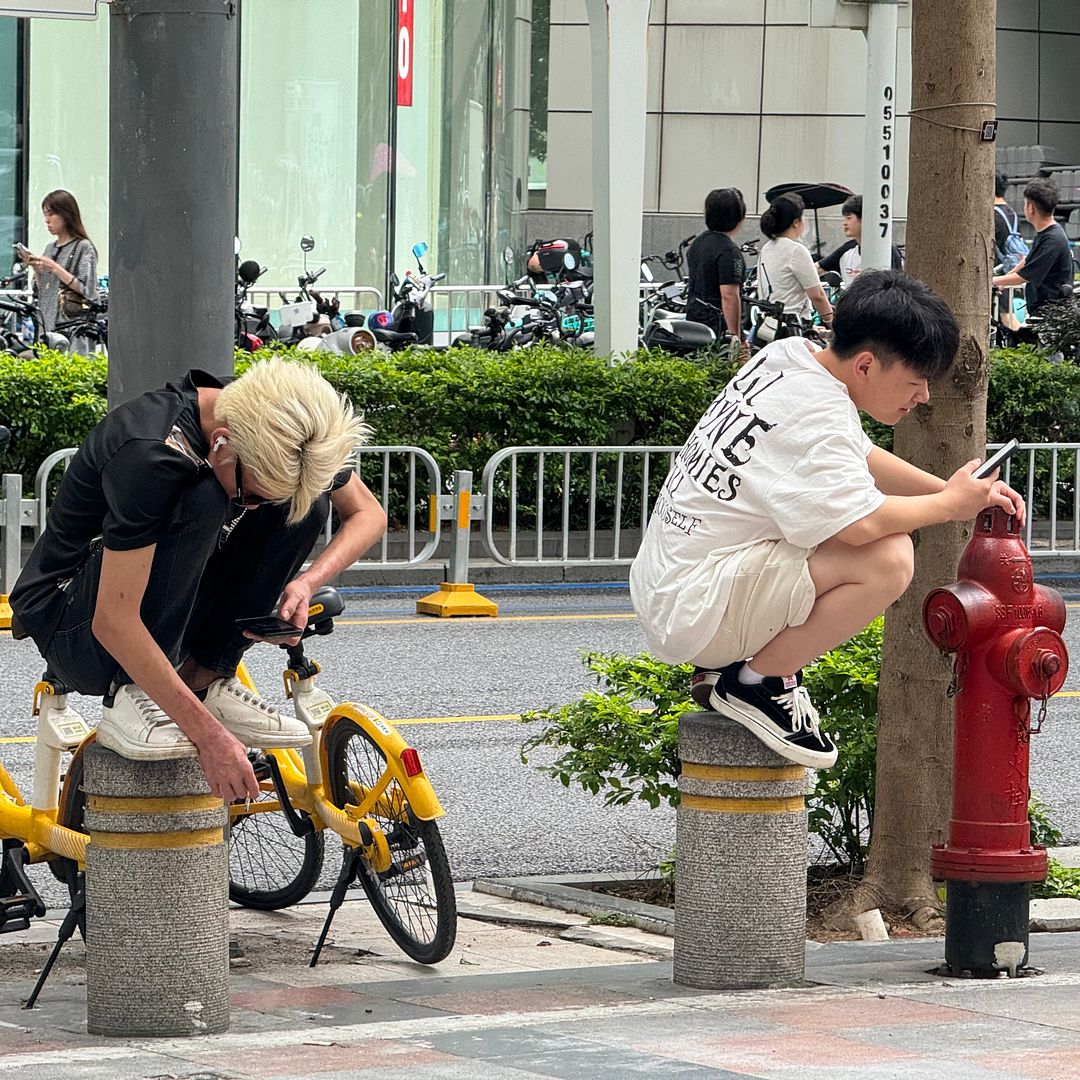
(572, 892)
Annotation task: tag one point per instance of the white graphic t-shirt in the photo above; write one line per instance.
(780, 454)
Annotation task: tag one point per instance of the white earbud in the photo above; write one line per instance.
(219, 442)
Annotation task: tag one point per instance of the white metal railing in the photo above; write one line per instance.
(628, 470)
(1049, 478)
(392, 474)
(270, 296)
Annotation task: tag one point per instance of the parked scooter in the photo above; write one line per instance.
(411, 321)
(253, 326)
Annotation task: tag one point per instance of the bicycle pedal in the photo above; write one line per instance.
(19, 900)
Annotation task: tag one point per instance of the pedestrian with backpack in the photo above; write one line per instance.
(1010, 248)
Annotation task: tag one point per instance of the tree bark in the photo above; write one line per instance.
(950, 247)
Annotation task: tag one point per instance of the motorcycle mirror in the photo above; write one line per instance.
(307, 243)
(508, 255)
(248, 272)
(646, 272)
(419, 250)
(236, 245)
(395, 281)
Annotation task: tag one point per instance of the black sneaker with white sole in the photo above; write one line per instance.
(702, 684)
(778, 710)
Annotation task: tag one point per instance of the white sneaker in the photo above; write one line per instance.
(251, 720)
(134, 726)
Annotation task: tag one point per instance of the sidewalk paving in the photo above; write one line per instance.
(542, 993)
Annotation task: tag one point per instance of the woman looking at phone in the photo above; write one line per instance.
(66, 273)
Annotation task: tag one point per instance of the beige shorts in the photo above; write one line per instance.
(772, 589)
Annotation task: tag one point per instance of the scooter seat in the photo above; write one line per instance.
(390, 337)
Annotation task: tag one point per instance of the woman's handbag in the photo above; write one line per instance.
(70, 302)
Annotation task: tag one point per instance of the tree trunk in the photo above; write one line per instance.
(950, 247)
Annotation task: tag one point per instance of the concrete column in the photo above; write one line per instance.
(618, 29)
(741, 835)
(157, 898)
(880, 147)
(173, 75)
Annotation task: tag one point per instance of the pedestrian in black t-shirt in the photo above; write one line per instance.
(183, 510)
(716, 266)
(1047, 271)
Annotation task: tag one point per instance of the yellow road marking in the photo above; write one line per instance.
(499, 619)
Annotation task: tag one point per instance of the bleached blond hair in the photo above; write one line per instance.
(291, 430)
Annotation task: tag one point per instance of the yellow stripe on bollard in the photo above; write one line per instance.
(164, 805)
(464, 506)
(712, 805)
(753, 774)
(157, 841)
(433, 513)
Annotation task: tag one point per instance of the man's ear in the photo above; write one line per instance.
(219, 438)
(862, 362)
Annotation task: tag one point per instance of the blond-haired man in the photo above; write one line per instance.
(183, 510)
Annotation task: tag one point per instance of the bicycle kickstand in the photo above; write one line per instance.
(68, 927)
(350, 865)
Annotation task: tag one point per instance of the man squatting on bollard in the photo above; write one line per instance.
(781, 530)
(183, 510)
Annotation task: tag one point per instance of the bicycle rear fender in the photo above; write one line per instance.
(418, 790)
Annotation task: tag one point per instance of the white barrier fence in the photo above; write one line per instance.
(561, 505)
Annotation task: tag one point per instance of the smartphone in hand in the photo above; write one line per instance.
(22, 251)
(269, 626)
(996, 460)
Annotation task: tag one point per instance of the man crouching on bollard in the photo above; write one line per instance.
(185, 509)
(781, 530)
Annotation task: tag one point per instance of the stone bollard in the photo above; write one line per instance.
(157, 898)
(740, 868)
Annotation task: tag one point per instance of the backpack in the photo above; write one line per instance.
(1015, 245)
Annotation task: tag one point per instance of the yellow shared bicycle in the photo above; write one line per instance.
(358, 779)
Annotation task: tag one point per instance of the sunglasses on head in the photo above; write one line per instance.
(243, 498)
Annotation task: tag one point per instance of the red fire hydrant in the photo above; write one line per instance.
(1005, 632)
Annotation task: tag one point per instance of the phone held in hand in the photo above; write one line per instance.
(23, 251)
(269, 626)
(996, 460)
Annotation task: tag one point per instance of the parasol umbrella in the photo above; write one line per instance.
(814, 197)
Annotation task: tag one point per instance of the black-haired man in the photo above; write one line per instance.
(781, 530)
(847, 258)
(716, 267)
(1047, 271)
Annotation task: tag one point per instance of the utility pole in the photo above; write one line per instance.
(880, 145)
(952, 93)
(618, 30)
(173, 87)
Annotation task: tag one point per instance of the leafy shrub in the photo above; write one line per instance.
(608, 745)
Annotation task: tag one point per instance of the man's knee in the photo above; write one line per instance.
(895, 563)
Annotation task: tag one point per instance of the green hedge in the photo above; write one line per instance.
(465, 404)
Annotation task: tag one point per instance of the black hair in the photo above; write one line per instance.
(853, 206)
(1044, 194)
(1001, 185)
(898, 318)
(725, 209)
(783, 212)
(63, 203)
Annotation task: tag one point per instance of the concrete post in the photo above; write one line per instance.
(173, 76)
(157, 898)
(880, 146)
(741, 835)
(11, 556)
(618, 29)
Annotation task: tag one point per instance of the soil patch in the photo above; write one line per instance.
(825, 885)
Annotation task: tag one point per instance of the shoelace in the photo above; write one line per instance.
(248, 698)
(804, 717)
(152, 714)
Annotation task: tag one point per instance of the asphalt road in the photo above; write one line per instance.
(455, 686)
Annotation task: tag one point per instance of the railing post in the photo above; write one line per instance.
(157, 898)
(740, 874)
(11, 522)
(457, 596)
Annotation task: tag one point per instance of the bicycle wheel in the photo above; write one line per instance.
(270, 867)
(414, 897)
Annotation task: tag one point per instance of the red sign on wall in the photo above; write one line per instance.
(404, 51)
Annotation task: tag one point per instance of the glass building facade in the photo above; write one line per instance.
(326, 147)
